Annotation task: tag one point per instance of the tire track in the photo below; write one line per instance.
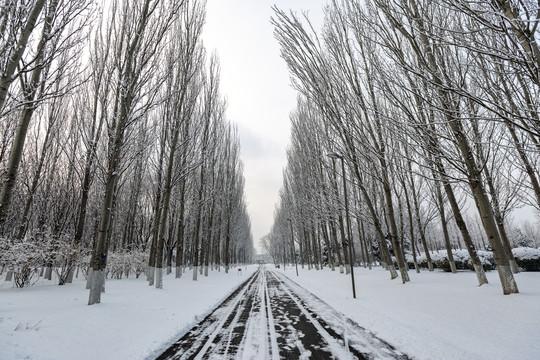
(300, 335)
(270, 317)
(216, 330)
(357, 341)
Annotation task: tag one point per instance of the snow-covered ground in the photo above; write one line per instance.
(436, 316)
(133, 321)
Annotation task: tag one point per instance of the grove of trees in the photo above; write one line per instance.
(433, 108)
(115, 144)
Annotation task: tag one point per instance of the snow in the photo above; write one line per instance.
(336, 348)
(133, 320)
(437, 315)
(271, 327)
(526, 253)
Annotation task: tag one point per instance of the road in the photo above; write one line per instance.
(271, 317)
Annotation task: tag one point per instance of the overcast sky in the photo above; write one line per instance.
(255, 81)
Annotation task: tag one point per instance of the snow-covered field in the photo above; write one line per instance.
(436, 316)
(133, 321)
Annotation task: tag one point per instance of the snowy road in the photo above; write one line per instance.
(271, 317)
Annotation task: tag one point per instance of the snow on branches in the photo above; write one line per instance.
(26, 258)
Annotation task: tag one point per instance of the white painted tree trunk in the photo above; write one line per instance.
(178, 273)
(514, 266)
(392, 269)
(97, 285)
(205, 270)
(507, 279)
(89, 278)
(480, 274)
(69, 279)
(341, 268)
(159, 278)
(195, 268)
(452, 265)
(150, 277)
(48, 273)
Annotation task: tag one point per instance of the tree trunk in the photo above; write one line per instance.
(30, 91)
(376, 222)
(485, 210)
(196, 235)
(495, 203)
(162, 232)
(7, 77)
(364, 241)
(333, 232)
(473, 173)
(417, 216)
(157, 213)
(411, 230)
(34, 185)
(180, 231)
(324, 230)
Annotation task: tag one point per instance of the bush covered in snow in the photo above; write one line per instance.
(527, 258)
(139, 262)
(41, 255)
(409, 259)
(25, 259)
(486, 258)
(125, 262)
(22, 259)
(461, 259)
(422, 260)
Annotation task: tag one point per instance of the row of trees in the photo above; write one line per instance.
(115, 138)
(432, 107)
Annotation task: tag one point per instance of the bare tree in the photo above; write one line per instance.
(184, 66)
(15, 37)
(54, 40)
(136, 51)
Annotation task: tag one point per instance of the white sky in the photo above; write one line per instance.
(255, 81)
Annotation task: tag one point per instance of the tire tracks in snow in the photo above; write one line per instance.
(216, 329)
(270, 317)
(358, 342)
